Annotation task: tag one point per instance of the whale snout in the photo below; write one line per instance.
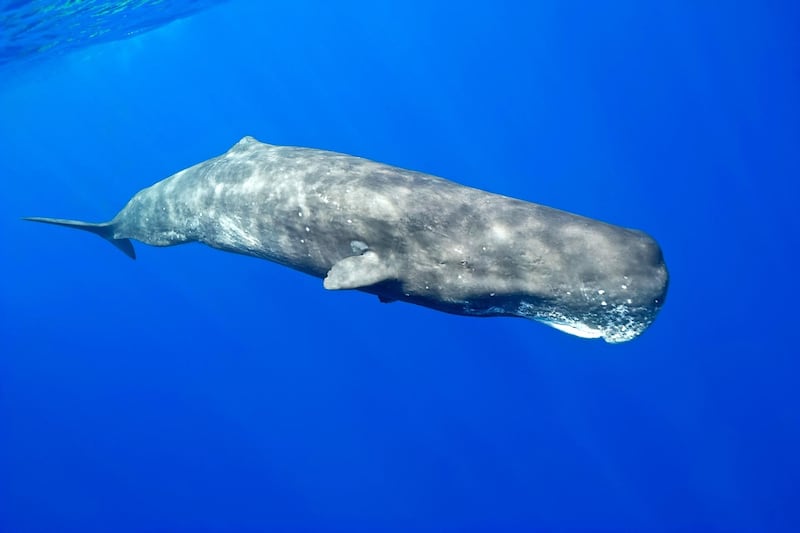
(651, 257)
(624, 290)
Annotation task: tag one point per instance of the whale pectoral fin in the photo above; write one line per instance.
(357, 272)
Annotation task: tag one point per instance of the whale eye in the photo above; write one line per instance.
(359, 247)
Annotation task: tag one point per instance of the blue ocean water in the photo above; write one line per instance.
(193, 390)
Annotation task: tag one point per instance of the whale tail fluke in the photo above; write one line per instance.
(105, 230)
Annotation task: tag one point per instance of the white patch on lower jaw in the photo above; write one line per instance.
(619, 323)
(579, 330)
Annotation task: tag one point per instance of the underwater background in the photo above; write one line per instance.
(193, 390)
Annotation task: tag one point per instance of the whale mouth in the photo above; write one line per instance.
(577, 329)
(615, 324)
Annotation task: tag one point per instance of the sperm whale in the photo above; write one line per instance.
(403, 235)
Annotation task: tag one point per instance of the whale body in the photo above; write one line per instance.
(403, 235)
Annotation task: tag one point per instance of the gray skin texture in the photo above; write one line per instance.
(405, 235)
